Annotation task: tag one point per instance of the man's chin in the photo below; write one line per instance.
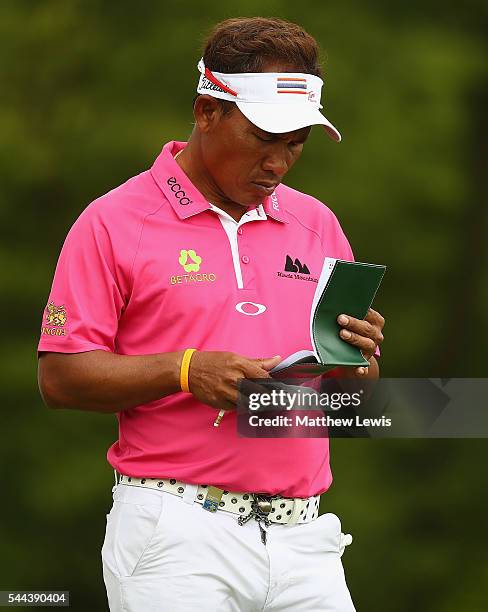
(254, 202)
(248, 200)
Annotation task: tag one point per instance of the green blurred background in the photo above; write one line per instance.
(90, 91)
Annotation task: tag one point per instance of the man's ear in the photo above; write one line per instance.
(207, 112)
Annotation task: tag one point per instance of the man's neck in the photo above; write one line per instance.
(190, 162)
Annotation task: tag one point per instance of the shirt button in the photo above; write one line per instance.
(239, 231)
(245, 259)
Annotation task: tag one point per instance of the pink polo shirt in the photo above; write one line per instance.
(152, 267)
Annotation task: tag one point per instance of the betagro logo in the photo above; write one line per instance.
(195, 259)
(191, 262)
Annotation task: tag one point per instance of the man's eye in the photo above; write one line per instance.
(263, 139)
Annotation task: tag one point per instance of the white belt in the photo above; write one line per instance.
(284, 510)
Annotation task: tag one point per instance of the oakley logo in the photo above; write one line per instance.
(179, 194)
(251, 309)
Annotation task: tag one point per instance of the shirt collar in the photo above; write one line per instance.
(183, 196)
(253, 214)
(273, 207)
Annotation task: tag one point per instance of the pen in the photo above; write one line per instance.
(220, 416)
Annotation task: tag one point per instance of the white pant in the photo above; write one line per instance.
(162, 554)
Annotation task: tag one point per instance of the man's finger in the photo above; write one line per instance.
(268, 363)
(361, 371)
(361, 328)
(365, 344)
(375, 317)
(227, 405)
(259, 368)
(252, 387)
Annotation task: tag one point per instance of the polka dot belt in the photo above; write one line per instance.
(284, 510)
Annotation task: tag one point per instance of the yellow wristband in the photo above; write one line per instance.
(185, 368)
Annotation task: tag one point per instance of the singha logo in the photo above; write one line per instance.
(55, 315)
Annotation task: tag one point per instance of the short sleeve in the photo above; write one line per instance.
(335, 242)
(87, 293)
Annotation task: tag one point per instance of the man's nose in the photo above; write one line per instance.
(276, 163)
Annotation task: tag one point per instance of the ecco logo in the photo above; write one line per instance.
(252, 308)
(178, 191)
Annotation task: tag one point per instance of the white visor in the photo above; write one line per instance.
(275, 102)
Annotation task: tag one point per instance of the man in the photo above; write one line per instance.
(191, 255)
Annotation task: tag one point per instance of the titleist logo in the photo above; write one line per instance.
(206, 84)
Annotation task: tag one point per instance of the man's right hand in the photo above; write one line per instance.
(214, 375)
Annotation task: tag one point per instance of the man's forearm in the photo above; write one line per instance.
(99, 381)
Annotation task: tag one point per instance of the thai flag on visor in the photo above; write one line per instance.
(291, 85)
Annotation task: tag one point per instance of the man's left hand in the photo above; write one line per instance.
(366, 334)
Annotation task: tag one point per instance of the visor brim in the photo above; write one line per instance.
(281, 118)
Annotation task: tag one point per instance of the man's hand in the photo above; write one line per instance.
(214, 375)
(366, 334)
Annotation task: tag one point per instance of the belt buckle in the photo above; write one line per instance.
(212, 500)
(263, 502)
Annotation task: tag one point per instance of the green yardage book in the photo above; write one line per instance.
(347, 287)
